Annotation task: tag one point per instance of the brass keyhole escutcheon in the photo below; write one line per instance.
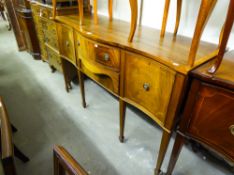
(231, 128)
(106, 57)
(146, 86)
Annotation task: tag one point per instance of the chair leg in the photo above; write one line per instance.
(20, 155)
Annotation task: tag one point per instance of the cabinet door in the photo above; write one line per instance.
(66, 43)
(148, 85)
(213, 119)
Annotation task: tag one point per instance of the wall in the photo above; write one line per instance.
(153, 12)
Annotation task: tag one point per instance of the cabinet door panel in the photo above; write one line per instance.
(66, 43)
(148, 84)
(213, 119)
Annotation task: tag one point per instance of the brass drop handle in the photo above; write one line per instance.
(67, 43)
(231, 128)
(106, 57)
(146, 86)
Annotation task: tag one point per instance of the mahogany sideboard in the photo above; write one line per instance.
(149, 73)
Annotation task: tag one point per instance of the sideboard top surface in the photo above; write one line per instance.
(170, 51)
(223, 77)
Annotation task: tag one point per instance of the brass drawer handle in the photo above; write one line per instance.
(67, 43)
(146, 86)
(106, 57)
(231, 128)
(78, 43)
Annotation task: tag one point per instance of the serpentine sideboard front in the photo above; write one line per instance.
(149, 73)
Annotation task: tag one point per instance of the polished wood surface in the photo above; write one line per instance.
(64, 163)
(172, 52)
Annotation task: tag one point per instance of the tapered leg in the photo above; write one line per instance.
(122, 111)
(179, 141)
(20, 155)
(3, 16)
(163, 149)
(53, 70)
(81, 81)
(65, 75)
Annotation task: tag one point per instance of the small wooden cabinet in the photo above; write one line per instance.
(208, 116)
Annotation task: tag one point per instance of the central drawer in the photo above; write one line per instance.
(66, 43)
(100, 62)
(148, 85)
(98, 53)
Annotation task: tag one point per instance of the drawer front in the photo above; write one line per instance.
(101, 54)
(54, 59)
(50, 33)
(148, 84)
(39, 25)
(213, 119)
(66, 43)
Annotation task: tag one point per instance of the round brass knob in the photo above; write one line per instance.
(106, 57)
(146, 86)
(231, 128)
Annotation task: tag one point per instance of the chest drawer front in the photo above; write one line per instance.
(148, 84)
(99, 53)
(66, 43)
(213, 119)
(50, 33)
(54, 59)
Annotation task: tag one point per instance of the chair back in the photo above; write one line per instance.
(65, 164)
(7, 153)
(224, 37)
